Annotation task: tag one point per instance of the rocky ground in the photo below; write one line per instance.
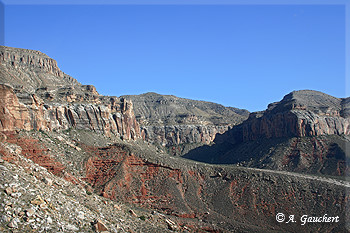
(86, 177)
(35, 200)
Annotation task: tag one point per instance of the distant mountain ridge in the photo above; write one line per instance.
(314, 101)
(300, 113)
(179, 124)
(154, 108)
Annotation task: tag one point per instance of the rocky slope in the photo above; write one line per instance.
(305, 132)
(35, 199)
(179, 124)
(169, 192)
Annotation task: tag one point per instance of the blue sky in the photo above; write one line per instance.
(244, 56)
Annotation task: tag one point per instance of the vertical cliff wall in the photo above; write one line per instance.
(300, 113)
(36, 95)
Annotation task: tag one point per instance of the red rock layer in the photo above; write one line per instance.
(38, 153)
(117, 174)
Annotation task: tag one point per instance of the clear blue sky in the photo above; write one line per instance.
(243, 56)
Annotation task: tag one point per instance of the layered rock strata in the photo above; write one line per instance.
(238, 197)
(300, 113)
(36, 95)
(185, 195)
(30, 69)
(35, 114)
(193, 197)
(180, 124)
(307, 131)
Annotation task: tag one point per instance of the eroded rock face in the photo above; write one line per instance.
(187, 195)
(37, 115)
(31, 69)
(300, 113)
(179, 124)
(12, 113)
(54, 100)
(36, 95)
(181, 134)
(307, 132)
(199, 196)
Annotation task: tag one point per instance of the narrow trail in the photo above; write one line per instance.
(310, 177)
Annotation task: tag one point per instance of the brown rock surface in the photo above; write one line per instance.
(13, 114)
(29, 69)
(300, 113)
(36, 94)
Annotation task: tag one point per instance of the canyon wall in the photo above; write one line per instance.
(71, 123)
(52, 100)
(36, 95)
(299, 114)
(306, 132)
(30, 69)
(179, 125)
(38, 115)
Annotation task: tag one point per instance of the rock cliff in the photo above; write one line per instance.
(30, 70)
(179, 124)
(36, 94)
(300, 113)
(307, 131)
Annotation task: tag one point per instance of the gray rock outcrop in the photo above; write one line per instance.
(180, 124)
